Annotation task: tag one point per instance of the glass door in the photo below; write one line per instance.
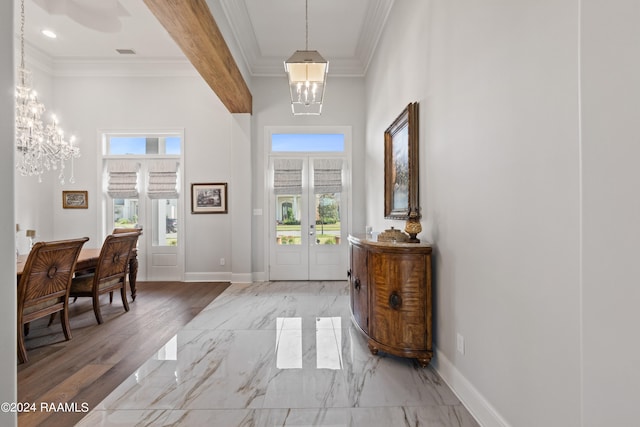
(142, 189)
(158, 219)
(328, 250)
(308, 217)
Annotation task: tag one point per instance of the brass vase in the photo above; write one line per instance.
(413, 227)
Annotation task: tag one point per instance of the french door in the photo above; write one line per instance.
(158, 250)
(141, 178)
(308, 217)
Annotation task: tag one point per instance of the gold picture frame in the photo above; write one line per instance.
(209, 198)
(401, 165)
(75, 199)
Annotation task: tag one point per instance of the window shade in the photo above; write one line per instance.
(163, 179)
(287, 178)
(123, 178)
(327, 176)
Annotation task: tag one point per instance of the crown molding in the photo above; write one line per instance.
(237, 15)
(132, 67)
(34, 58)
(372, 31)
(102, 67)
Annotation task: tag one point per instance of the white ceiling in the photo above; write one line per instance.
(139, 30)
(267, 32)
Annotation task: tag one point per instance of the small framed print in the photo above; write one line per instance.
(209, 198)
(75, 200)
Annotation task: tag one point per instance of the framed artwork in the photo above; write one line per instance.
(209, 198)
(401, 165)
(75, 200)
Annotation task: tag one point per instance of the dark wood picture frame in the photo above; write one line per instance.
(401, 165)
(75, 199)
(209, 198)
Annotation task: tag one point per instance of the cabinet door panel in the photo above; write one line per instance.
(359, 288)
(398, 300)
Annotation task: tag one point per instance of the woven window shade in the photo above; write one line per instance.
(327, 176)
(123, 179)
(163, 179)
(287, 178)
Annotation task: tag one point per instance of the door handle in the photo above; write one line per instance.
(395, 300)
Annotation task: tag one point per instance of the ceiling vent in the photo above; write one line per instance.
(126, 51)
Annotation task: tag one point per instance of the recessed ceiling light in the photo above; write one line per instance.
(126, 51)
(49, 34)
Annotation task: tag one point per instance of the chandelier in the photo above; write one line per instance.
(39, 148)
(307, 72)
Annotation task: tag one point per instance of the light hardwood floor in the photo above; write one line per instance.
(84, 370)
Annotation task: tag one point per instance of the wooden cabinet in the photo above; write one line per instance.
(390, 293)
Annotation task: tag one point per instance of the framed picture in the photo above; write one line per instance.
(401, 165)
(75, 200)
(209, 198)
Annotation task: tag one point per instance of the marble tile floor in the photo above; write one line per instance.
(278, 354)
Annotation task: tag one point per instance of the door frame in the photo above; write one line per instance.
(268, 185)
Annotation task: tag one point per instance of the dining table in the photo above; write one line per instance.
(88, 260)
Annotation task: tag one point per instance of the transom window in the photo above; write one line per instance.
(143, 145)
(307, 142)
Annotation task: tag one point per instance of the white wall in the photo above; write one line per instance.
(88, 104)
(611, 206)
(343, 106)
(8, 360)
(240, 200)
(497, 84)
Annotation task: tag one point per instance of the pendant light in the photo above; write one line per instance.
(307, 73)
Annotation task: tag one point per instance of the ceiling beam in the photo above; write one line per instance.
(191, 25)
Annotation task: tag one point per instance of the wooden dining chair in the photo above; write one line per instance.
(110, 273)
(44, 285)
(132, 273)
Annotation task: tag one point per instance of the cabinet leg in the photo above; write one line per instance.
(373, 349)
(423, 361)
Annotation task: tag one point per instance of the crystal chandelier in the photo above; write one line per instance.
(39, 148)
(307, 72)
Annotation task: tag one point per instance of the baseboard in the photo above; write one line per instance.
(241, 278)
(208, 277)
(226, 276)
(484, 413)
(260, 276)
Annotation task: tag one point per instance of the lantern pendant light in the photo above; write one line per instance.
(307, 73)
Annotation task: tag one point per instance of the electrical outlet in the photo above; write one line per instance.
(222, 261)
(460, 344)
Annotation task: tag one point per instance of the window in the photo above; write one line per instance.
(143, 145)
(307, 142)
